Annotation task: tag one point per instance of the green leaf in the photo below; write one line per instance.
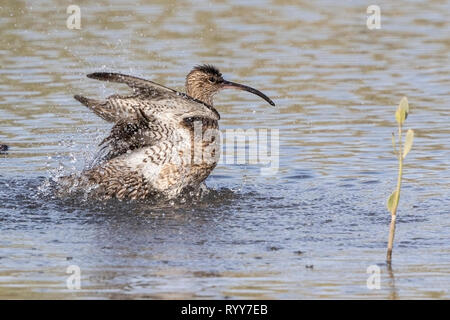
(394, 146)
(404, 104)
(408, 142)
(391, 203)
(400, 116)
(402, 111)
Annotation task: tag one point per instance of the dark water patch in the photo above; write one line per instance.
(299, 176)
(369, 172)
(334, 116)
(347, 185)
(370, 182)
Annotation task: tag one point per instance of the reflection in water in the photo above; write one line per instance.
(335, 84)
(393, 295)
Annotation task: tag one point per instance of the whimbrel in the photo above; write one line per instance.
(150, 149)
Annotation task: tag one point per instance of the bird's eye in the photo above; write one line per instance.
(212, 79)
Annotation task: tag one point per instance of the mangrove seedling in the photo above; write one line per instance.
(400, 150)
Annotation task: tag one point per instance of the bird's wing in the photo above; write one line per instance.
(133, 133)
(147, 95)
(137, 84)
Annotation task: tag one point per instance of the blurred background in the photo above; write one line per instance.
(309, 231)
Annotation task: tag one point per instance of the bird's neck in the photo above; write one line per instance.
(204, 97)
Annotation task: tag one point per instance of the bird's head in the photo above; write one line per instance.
(204, 81)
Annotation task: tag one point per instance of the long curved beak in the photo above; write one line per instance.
(233, 85)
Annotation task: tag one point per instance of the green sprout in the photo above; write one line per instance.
(400, 116)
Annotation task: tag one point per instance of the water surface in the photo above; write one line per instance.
(309, 231)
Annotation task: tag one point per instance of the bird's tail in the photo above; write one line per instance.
(88, 102)
(99, 107)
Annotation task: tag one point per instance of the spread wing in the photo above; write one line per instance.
(133, 133)
(137, 84)
(147, 95)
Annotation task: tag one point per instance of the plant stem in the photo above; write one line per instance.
(397, 198)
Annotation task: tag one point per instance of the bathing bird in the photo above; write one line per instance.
(163, 142)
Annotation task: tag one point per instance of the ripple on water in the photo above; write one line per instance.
(336, 85)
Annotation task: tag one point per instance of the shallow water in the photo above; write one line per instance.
(309, 231)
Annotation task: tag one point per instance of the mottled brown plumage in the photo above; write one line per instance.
(163, 142)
